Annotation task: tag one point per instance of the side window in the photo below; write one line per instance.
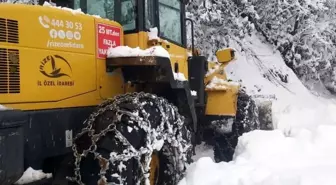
(170, 20)
(103, 8)
(128, 14)
(149, 14)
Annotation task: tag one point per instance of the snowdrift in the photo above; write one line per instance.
(265, 75)
(300, 151)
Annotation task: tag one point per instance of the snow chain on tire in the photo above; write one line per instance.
(165, 131)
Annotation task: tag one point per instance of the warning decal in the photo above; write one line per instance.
(107, 36)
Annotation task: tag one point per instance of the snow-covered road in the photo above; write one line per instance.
(302, 148)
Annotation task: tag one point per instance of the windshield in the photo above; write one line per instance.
(169, 16)
(120, 11)
(170, 20)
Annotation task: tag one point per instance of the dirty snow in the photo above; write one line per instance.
(31, 175)
(300, 151)
(126, 51)
(153, 34)
(179, 77)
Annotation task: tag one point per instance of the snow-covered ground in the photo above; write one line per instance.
(302, 148)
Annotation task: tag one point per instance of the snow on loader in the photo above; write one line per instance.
(84, 104)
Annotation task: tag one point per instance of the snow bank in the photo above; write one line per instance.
(279, 150)
(31, 175)
(264, 73)
(125, 51)
(300, 151)
(272, 158)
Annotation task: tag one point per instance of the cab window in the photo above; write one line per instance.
(149, 14)
(122, 11)
(170, 20)
(128, 14)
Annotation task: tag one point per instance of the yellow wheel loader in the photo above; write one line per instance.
(80, 101)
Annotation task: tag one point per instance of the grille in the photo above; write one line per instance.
(9, 71)
(9, 31)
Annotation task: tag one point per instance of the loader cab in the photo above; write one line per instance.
(138, 16)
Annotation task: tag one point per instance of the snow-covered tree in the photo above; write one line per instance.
(302, 30)
(216, 24)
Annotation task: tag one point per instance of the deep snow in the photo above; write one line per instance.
(300, 151)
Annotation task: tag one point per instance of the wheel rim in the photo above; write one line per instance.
(154, 169)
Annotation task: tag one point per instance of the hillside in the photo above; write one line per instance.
(302, 31)
(300, 151)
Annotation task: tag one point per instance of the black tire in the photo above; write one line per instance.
(246, 120)
(141, 119)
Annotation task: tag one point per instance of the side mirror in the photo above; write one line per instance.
(192, 36)
(225, 55)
